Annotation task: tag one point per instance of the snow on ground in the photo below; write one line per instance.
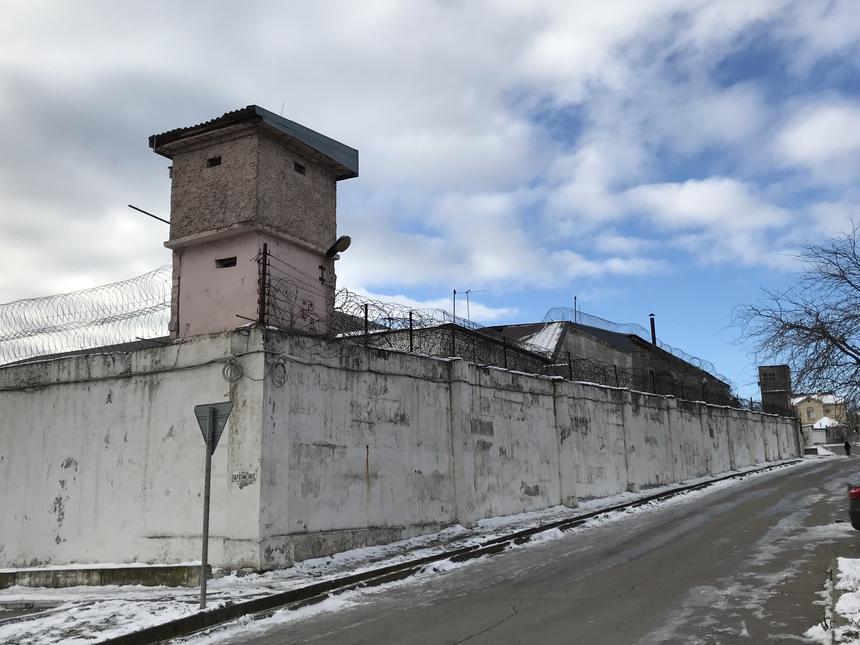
(844, 626)
(92, 614)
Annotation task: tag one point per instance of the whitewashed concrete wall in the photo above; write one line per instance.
(357, 450)
(380, 445)
(101, 458)
(329, 446)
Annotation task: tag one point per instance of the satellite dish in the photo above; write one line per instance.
(341, 244)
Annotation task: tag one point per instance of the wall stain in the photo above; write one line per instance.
(482, 427)
(58, 508)
(531, 491)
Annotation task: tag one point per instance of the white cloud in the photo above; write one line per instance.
(612, 242)
(461, 181)
(823, 137)
(713, 203)
(817, 29)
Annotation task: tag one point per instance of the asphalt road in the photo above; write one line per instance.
(741, 564)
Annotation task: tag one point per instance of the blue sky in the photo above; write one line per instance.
(646, 157)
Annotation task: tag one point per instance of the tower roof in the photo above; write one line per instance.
(344, 158)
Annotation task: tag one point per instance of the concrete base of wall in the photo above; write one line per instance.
(149, 576)
(283, 551)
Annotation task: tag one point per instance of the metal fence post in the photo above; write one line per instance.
(262, 286)
(411, 345)
(365, 324)
(569, 366)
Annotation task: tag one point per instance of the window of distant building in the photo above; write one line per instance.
(810, 414)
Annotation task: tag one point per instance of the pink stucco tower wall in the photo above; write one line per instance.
(247, 181)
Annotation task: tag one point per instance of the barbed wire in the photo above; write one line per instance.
(567, 313)
(109, 314)
(138, 308)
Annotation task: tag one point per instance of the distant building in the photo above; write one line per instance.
(562, 348)
(824, 418)
(624, 359)
(811, 408)
(775, 384)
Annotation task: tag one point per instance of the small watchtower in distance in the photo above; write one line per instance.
(244, 182)
(775, 384)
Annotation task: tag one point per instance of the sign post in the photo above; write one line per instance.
(211, 417)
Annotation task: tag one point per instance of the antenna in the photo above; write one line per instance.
(283, 105)
(468, 291)
(140, 210)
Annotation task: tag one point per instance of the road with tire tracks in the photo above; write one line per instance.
(742, 563)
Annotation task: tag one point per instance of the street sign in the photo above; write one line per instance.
(222, 411)
(212, 417)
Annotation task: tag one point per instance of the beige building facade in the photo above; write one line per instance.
(812, 408)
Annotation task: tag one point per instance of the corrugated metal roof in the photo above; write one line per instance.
(342, 156)
(547, 339)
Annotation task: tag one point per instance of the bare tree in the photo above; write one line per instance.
(815, 325)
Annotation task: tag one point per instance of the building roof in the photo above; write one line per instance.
(543, 333)
(546, 339)
(825, 399)
(618, 340)
(344, 158)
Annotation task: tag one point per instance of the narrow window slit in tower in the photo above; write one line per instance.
(211, 162)
(299, 168)
(223, 263)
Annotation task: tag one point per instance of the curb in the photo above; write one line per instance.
(319, 591)
(830, 616)
(169, 575)
(842, 630)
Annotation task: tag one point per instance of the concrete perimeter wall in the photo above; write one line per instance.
(102, 460)
(364, 445)
(330, 446)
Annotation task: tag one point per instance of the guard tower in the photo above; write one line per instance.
(253, 224)
(775, 384)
